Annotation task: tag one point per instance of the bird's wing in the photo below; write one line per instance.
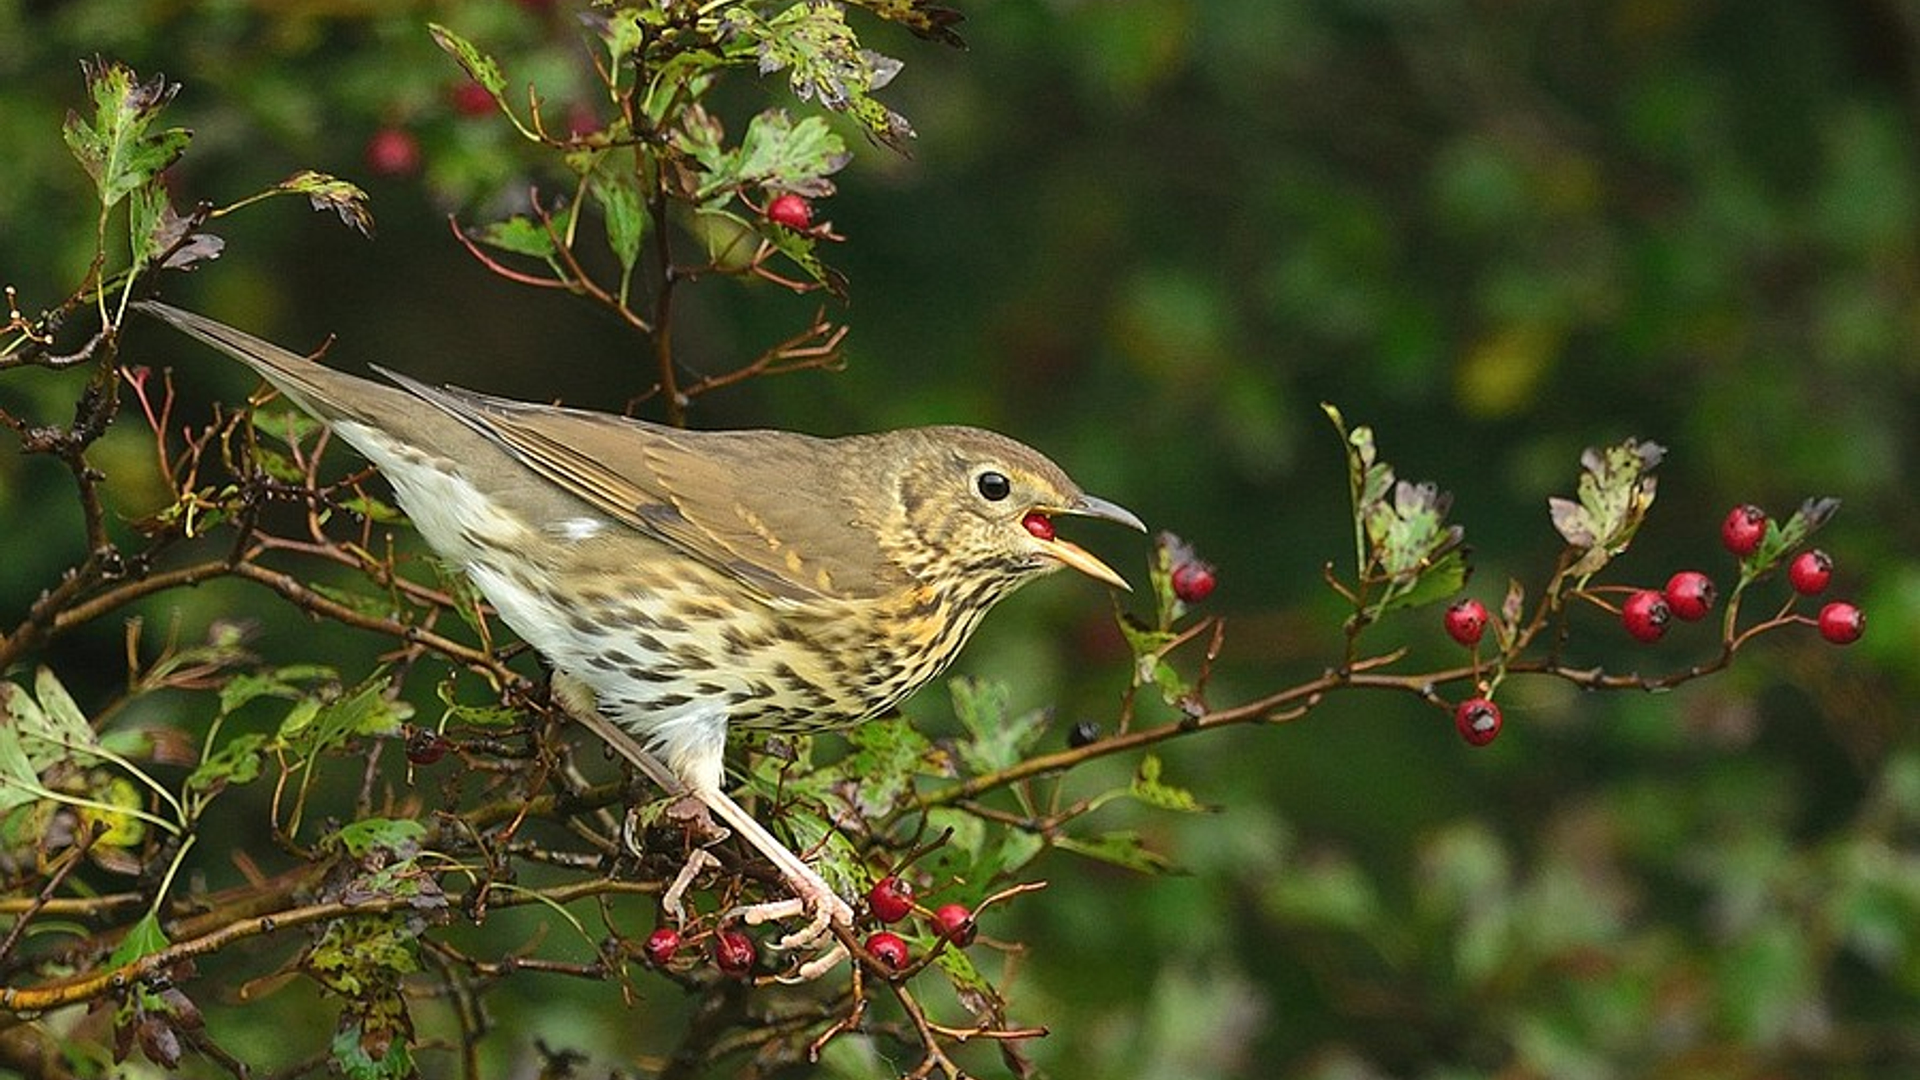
(763, 507)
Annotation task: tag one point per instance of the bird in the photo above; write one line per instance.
(683, 584)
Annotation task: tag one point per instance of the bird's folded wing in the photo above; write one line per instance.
(760, 506)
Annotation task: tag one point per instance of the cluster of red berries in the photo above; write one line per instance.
(1647, 613)
(891, 900)
(734, 953)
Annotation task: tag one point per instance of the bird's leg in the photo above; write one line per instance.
(670, 901)
(576, 700)
(811, 893)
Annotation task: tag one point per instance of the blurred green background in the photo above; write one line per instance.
(1149, 237)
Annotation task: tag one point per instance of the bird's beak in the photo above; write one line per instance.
(1079, 558)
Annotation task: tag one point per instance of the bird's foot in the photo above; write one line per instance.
(812, 899)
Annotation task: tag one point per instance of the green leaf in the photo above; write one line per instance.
(475, 715)
(825, 63)
(973, 854)
(356, 1062)
(1784, 537)
(325, 192)
(618, 194)
(1616, 490)
(959, 969)
(479, 67)
(288, 426)
(1148, 788)
(625, 30)
(518, 235)
(116, 148)
(887, 755)
(146, 223)
(143, 938)
(1122, 848)
(1438, 580)
(238, 761)
(398, 836)
(926, 20)
(996, 738)
(799, 249)
(19, 780)
(365, 710)
(283, 682)
(375, 605)
(65, 724)
(778, 153)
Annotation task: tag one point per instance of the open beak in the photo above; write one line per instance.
(1071, 554)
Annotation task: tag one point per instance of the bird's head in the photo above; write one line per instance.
(984, 506)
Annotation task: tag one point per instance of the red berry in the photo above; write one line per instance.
(1477, 720)
(472, 99)
(889, 948)
(1467, 621)
(1193, 581)
(662, 944)
(1842, 623)
(1690, 595)
(582, 121)
(393, 152)
(1745, 527)
(890, 899)
(1645, 615)
(424, 746)
(1039, 525)
(955, 923)
(790, 210)
(1809, 572)
(733, 951)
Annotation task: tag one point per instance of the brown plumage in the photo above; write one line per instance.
(693, 580)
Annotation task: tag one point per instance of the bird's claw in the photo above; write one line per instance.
(822, 907)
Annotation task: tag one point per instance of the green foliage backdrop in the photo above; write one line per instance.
(1149, 237)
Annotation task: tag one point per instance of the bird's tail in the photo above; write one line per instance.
(316, 388)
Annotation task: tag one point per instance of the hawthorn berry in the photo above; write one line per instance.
(734, 952)
(1810, 571)
(889, 948)
(1645, 615)
(955, 923)
(661, 945)
(890, 899)
(426, 746)
(1084, 733)
(1690, 595)
(393, 151)
(1477, 720)
(472, 99)
(1467, 621)
(791, 210)
(1193, 581)
(1039, 525)
(1744, 528)
(1842, 623)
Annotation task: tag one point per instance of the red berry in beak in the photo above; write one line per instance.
(1039, 525)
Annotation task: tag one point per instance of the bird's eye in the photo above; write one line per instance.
(993, 486)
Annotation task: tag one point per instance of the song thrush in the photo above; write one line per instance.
(692, 581)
